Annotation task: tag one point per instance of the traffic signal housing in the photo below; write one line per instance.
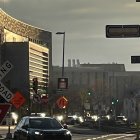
(135, 59)
(35, 84)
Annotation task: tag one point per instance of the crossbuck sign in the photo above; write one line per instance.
(4, 92)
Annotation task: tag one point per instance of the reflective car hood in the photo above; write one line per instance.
(49, 130)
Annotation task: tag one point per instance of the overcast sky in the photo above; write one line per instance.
(84, 24)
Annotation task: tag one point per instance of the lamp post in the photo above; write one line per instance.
(62, 33)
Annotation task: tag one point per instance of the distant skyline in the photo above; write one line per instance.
(84, 24)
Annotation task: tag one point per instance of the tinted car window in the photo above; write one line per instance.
(26, 122)
(44, 123)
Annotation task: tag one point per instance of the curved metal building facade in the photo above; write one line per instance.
(29, 49)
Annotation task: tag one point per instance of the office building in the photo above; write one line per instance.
(29, 49)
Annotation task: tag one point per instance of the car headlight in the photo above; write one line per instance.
(67, 133)
(37, 133)
(125, 119)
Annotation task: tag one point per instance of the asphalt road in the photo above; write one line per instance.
(80, 133)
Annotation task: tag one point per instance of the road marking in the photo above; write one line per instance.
(117, 137)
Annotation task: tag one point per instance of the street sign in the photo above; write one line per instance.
(18, 100)
(62, 83)
(135, 59)
(5, 68)
(122, 31)
(5, 92)
(3, 110)
(62, 102)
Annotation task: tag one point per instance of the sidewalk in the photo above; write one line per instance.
(84, 130)
(4, 131)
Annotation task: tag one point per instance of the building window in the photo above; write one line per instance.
(14, 39)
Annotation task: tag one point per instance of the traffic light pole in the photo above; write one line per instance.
(137, 109)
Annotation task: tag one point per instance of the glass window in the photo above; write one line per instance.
(44, 123)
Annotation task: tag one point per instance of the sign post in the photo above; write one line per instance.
(5, 93)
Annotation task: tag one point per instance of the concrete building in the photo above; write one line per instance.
(29, 49)
(105, 82)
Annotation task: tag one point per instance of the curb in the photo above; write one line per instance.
(85, 131)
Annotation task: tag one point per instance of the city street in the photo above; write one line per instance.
(103, 137)
(86, 134)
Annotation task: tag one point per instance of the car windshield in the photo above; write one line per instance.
(44, 123)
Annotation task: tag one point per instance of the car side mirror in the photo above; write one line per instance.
(65, 126)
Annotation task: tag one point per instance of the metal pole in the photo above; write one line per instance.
(29, 101)
(137, 108)
(62, 33)
(63, 54)
(9, 134)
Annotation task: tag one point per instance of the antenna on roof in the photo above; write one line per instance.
(3, 4)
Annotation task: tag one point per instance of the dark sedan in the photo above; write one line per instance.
(41, 128)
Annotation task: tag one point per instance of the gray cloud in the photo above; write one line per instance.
(84, 22)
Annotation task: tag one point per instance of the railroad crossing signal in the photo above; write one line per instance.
(4, 92)
(122, 31)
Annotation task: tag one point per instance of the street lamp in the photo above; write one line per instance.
(62, 33)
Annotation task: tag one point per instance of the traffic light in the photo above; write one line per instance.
(35, 84)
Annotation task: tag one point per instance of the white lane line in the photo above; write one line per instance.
(104, 136)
